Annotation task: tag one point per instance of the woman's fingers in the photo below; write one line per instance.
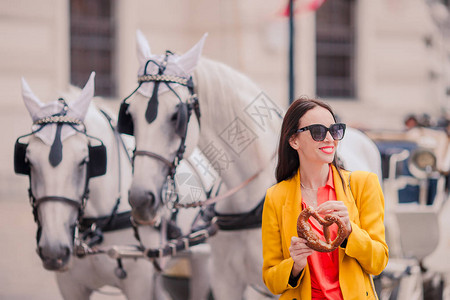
(299, 252)
(331, 206)
(338, 209)
(299, 247)
(296, 240)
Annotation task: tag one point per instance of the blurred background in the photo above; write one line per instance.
(376, 62)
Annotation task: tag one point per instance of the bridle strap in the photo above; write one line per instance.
(229, 193)
(216, 199)
(58, 119)
(77, 204)
(156, 156)
(158, 78)
(80, 205)
(164, 78)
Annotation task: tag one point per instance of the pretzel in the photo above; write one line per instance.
(304, 230)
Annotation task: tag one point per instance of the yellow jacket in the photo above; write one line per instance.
(366, 251)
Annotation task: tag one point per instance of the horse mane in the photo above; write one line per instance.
(97, 104)
(226, 94)
(223, 93)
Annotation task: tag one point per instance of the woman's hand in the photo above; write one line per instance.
(338, 209)
(299, 253)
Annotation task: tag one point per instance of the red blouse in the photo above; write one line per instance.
(324, 267)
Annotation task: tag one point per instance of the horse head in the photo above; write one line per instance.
(164, 117)
(59, 160)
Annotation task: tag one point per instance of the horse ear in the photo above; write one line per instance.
(142, 47)
(32, 103)
(188, 61)
(81, 105)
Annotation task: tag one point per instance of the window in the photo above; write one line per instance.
(335, 46)
(92, 44)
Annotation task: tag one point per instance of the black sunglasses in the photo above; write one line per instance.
(319, 131)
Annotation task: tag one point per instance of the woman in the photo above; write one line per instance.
(307, 175)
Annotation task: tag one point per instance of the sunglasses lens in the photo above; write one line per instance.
(318, 132)
(337, 131)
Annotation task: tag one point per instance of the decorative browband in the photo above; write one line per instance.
(58, 119)
(167, 78)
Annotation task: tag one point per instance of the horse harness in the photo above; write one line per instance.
(92, 229)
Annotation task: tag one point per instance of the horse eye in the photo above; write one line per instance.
(174, 117)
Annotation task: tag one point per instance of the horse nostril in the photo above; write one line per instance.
(142, 200)
(150, 198)
(67, 251)
(53, 253)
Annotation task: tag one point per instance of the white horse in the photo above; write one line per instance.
(61, 157)
(237, 132)
(237, 128)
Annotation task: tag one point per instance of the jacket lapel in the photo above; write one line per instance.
(291, 210)
(347, 198)
(340, 194)
(344, 194)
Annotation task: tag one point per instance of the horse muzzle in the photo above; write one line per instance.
(144, 205)
(58, 262)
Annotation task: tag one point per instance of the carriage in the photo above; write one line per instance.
(415, 182)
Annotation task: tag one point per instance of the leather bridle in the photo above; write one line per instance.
(79, 204)
(59, 119)
(184, 114)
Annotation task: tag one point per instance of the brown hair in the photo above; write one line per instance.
(288, 162)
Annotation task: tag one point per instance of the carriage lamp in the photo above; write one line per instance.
(422, 163)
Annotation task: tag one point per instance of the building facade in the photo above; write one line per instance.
(374, 61)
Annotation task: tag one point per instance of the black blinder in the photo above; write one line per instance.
(97, 161)
(182, 120)
(125, 121)
(21, 166)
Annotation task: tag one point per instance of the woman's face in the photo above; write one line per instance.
(308, 149)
